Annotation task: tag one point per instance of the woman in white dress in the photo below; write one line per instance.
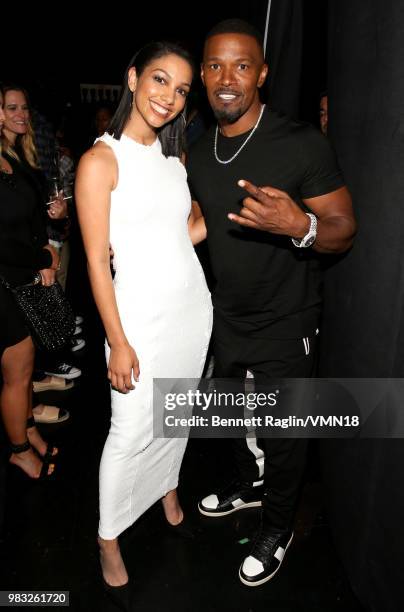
(132, 194)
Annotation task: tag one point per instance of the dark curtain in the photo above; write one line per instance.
(284, 49)
(284, 55)
(363, 327)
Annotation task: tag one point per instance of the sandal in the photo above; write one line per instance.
(54, 384)
(50, 414)
(17, 449)
(49, 453)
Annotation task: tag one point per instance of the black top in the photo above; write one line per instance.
(264, 285)
(22, 226)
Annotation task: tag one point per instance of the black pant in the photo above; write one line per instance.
(284, 459)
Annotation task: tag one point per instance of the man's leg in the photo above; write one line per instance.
(284, 461)
(245, 490)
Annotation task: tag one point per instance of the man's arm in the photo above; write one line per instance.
(272, 210)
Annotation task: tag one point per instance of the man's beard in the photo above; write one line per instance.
(227, 115)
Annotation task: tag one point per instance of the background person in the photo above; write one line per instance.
(24, 250)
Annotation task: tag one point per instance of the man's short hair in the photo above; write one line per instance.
(236, 26)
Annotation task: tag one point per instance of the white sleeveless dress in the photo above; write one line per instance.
(166, 313)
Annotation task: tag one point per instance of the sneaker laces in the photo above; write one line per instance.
(232, 490)
(228, 489)
(264, 545)
(64, 367)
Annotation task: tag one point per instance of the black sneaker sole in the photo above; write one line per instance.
(214, 513)
(267, 578)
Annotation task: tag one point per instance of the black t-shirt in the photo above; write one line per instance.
(263, 284)
(22, 227)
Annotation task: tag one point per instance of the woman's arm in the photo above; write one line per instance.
(96, 178)
(48, 273)
(196, 224)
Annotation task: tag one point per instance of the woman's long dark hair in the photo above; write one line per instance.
(171, 135)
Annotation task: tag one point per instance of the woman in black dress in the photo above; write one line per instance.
(24, 250)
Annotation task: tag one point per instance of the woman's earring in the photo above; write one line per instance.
(133, 97)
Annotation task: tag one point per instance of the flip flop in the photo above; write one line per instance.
(51, 414)
(55, 384)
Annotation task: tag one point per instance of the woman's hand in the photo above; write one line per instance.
(122, 362)
(55, 256)
(48, 276)
(58, 208)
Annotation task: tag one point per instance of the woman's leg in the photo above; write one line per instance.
(172, 508)
(17, 364)
(112, 565)
(35, 437)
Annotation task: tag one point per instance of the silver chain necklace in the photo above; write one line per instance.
(227, 161)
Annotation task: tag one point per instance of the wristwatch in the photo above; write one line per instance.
(311, 235)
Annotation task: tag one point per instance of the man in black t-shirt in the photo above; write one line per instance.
(263, 243)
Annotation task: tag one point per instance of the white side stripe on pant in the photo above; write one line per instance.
(258, 454)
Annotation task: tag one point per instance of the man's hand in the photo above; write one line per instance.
(271, 210)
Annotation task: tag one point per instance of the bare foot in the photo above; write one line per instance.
(30, 463)
(172, 508)
(112, 565)
(37, 441)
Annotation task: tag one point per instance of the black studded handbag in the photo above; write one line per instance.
(46, 311)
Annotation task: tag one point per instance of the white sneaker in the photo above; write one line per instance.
(265, 558)
(76, 344)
